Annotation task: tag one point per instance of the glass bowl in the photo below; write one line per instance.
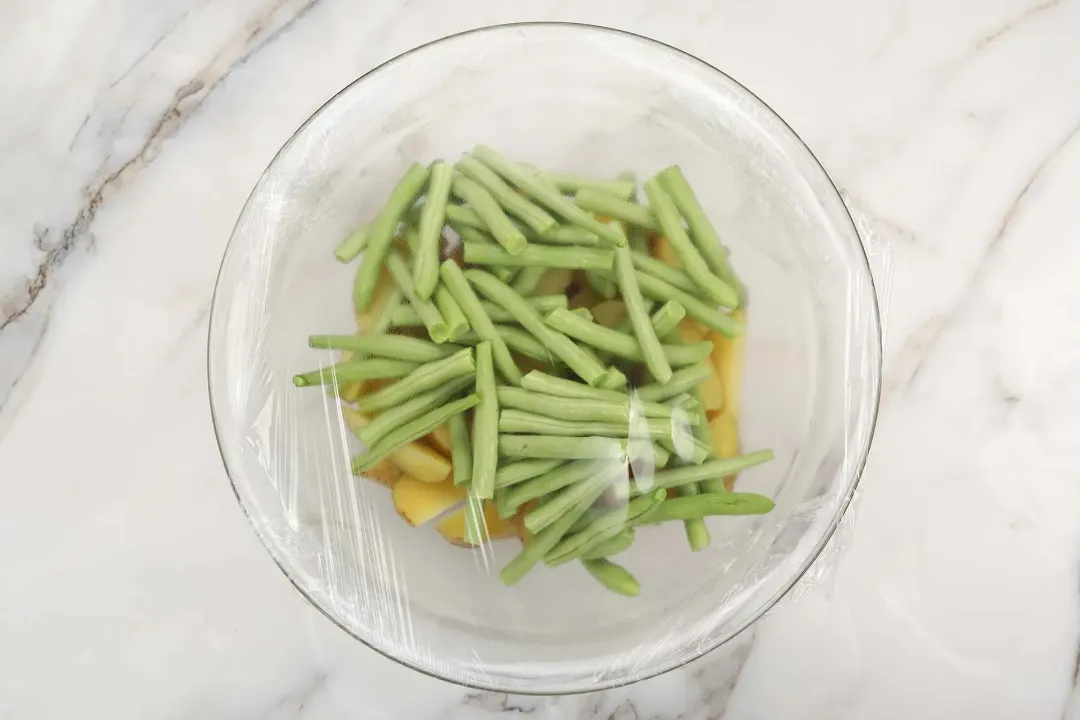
(568, 98)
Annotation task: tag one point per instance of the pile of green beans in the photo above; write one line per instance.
(611, 435)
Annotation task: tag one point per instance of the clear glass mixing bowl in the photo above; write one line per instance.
(570, 98)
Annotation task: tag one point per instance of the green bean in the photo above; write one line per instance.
(568, 498)
(485, 425)
(682, 380)
(535, 218)
(516, 339)
(638, 241)
(654, 355)
(606, 526)
(613, 379)
(414, 430)
(661, 270)
(522, 470)
(422, 378)
(381, 233)
(702, 231)
(570, 235)
(667, 318)
(456, 323)
(713, 469)
(462, 217)
(614, 546)
(460, 449)
(429, 235)
(689, 450)
(697, 535)
(614, 577)
(535, 187)
(499, 225)
(624, 345)
(500, 505)
(538, 382)
(352, 245)
(405, 316)
(392, 418)
(398, 347)
(355, 370)
(604, 287)
(606, 411)
(562, 475)
(543, 541)
(557, 446)
(623, 187)
(433, 319)
(602, 203)
(459, 215)
(697, 506)
(581, 362)
(668, 216)
(521, 421)
(459, 287)
(382, 322)
(661, 455)
(528, 278)
(475, 525)
(472, 235)
(575, 258)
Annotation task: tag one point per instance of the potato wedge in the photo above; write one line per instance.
(609, 313)
(418, 502)
(727, 356)
(691, 331)
(712, 392)
(663, 250)
(554, 282)
(724, 432)
(414, 459)
(440, 439)
(384, 473)
(452, 527)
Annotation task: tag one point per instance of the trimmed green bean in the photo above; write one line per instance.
(521, 421)
(398, 347)
(485, 425)
(456, 322)
(422, 378)
(405, 316)
(706, 504)
(534, 217)
(570, 235)
(546, 256)
(582, 363)
(591, 410)
(355, 370)
(432, 318)
(543, 541)
(706, 315)
(528, 278)
(536, 188)
(505, 232)
(688, 448)
(623, 187)
(381, 233)
(518, 340)
(606, 526)
(522, 470)
(460, 216)
(668, 216)
(604, 287)
(352, 245)
(661, 270)
(563, 475)
(565, 500)
(654, 355)
(460, 449)
(472, 235)
(697, 535)
(682, 380)
(702, 231)
(412, 431)
(558, 446)
(394, 417)
(475, 525)
(459, 287)
(623, 345)
(382, 322)
(614, 546)
(429, 234)
(713, 469)
(539, 382)
(614, 577)
(667, 318)
(602, 203)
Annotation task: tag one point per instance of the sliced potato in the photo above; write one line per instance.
(383, 473)
(663, 250)
(452, 527)
(366, 318)
(586, 297)
(554, 282)
(728, 357)
(414, 459)
(691, 330)
(609, 313)
(418, 502)
(724, 431)
(712, 392)
(350, 392)
(439, 439)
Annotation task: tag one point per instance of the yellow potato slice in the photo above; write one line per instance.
(691, 330)
(384, 473)
(586, 297)
(663, 250)
(350, 392)
(418, 502)
(554, 282)
(724, 432)
(367, 318)
(439, 439)
(414, 459)
(609, 313)
(452, 527)
(712, 392)
(727, 356)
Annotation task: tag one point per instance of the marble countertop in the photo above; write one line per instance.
(133, 587)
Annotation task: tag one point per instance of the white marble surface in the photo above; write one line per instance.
(133, 588)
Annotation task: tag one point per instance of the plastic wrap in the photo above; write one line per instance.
(811, 373)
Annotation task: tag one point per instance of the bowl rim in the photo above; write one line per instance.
(845, 501)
